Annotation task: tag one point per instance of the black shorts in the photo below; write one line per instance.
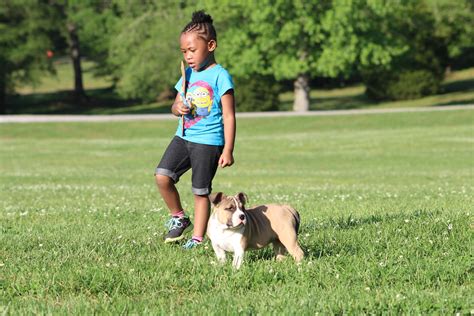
(182, 155)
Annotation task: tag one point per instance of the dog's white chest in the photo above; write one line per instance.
(226, 239)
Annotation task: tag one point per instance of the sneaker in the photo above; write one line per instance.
(192, 243)
(177, 227)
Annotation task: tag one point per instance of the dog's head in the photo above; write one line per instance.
(229, 210)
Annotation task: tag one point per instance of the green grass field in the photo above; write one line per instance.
(386, 202)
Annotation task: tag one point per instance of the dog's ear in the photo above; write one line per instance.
(243, 198)
(216, 198)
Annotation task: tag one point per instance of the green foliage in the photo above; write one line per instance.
(23, 42)
(96, 22)
(288, 38)
(145, 52)
(385, 201)
(257, 93)
(299, 39)
(454, 25)
(356, 35)
(419, 70)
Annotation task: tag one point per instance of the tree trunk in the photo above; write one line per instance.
(3, 93)
(301, 103)
(76, 62)
(447, 70)
(3, 101)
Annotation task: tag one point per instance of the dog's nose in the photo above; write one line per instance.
(242, 217)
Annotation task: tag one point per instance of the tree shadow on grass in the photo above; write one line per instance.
(469, 101)
(355, 101)
(459, 86)
(337, 102)
(99, 101)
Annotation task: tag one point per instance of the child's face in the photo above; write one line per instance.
(196, 50)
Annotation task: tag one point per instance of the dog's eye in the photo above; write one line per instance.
(230, 208)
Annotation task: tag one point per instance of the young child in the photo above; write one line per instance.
(207, 139)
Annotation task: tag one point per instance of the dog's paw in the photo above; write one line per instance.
(280, 258)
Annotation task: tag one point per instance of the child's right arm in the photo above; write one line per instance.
(178, 108)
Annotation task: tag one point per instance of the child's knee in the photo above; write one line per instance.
(162, 180)
(201, 196)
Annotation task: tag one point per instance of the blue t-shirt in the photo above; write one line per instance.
(205, 88)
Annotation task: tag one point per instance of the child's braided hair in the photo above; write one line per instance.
(201, 23)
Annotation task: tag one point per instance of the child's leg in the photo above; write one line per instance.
(173, 164)
(201, 215)
(204, 161)
(169, 193)
(178, 224)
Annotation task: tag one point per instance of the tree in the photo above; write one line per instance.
(454, 27)
(23, 42)
(86, 27)
(95, 22)
(145, 52)
(300, 39)
(436, 33)
(419, 70)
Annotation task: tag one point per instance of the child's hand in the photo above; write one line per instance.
(226, 159)
(180, 108)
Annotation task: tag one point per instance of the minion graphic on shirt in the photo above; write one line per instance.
(200, 96)
(202, 101)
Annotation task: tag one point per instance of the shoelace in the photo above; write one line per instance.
(191, 244)
(173, 223)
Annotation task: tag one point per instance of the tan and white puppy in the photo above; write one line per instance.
(232, 228)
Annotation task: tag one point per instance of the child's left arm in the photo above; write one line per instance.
(228, 116)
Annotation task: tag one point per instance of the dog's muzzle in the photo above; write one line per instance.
(238, 220)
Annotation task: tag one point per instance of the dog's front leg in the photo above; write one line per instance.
(220, 253)
(238, 257)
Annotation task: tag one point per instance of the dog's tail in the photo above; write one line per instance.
(296, 215)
